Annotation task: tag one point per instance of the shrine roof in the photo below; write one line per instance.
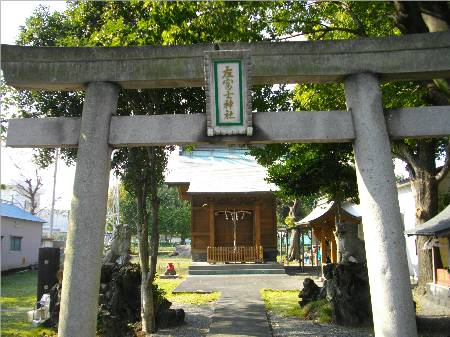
(218, 170)
(437, 226)
(327, 206)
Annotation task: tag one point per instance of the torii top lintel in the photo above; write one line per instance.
(410, 57)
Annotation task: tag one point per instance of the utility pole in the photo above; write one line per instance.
(52, 210)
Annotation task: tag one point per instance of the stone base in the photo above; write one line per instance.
(168, 276)
(438, 294)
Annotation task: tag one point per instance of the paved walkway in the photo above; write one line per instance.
(240, 309)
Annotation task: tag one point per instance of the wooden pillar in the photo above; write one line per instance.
(257, 224)
(312, 248)
(212, 228)
(433, 262)
(333, 250)
(302, 251)
(323, 250)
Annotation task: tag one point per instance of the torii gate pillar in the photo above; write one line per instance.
(392, 305)
(84, 247)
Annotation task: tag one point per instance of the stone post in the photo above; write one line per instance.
(390, 289)
(84, 247)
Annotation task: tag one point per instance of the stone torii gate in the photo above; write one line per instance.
(361, 64)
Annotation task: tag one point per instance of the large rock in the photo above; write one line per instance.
(311, 292)
(347, 288)
(120, 302)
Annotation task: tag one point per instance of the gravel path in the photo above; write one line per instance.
(291, 326)
(198, 319)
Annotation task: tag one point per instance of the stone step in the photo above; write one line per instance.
(238, 271)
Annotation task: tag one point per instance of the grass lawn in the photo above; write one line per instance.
(185, 298)
(285, 303)
(19, 296)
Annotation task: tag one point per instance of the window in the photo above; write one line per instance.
(16, 243)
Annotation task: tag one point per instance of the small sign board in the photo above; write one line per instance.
(227, 77)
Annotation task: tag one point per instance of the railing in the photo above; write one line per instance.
(235, 254)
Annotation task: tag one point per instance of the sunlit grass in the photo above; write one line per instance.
(19, 296)
(185, 298)
(285, 303)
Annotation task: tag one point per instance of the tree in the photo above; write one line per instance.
(420, 155)
(29, 190)
(337, 20)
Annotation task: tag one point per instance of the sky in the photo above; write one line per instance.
(17, 163)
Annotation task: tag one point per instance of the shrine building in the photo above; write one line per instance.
(233, 210)
(338, 228)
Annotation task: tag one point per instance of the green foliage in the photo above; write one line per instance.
(318, 311)
(329, 20)
(128, 209)
(306, 169)
(174, 213)
(301, 170)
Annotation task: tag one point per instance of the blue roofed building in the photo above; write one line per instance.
(21, 235)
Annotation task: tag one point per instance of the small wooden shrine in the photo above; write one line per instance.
(337, 227)
(437, 230)
(233, 210)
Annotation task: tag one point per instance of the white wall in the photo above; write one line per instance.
(406, 201)
(408, 209)
(31, 233)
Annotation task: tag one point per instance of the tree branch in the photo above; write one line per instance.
(446, 167)
(402, 151)
(361, 29)
(323, 31)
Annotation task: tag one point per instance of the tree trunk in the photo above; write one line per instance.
(294, 250)
(426, 196)
(142, 231)
(154, 244)
(424, 17)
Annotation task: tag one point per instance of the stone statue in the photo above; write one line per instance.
(351, 248)
(118, 247)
